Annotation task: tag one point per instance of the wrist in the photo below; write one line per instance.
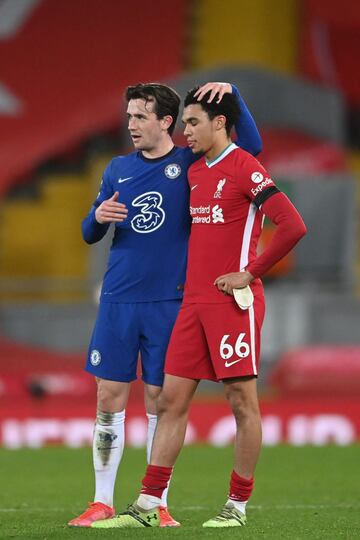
(97, 217)
(250, 274)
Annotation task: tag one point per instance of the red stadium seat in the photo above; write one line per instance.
(318, 371)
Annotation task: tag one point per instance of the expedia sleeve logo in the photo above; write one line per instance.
(267, 182)
(257, 177)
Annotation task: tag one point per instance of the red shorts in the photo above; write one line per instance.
(216, 341)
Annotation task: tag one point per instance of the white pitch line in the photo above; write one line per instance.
(194, 508)
(29, 509)
(282, 506)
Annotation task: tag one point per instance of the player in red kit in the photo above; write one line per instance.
(217, 332)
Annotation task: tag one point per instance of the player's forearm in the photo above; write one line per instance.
(92, 231)
(248, 136)
(290, 228)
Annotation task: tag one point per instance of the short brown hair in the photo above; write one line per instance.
(167, 101)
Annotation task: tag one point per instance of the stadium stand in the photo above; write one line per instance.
(28, 253)
(69, 88)
(262, 33)
(330, 41)
(318, 371)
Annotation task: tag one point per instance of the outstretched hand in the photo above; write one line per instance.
(111, 211)
(216, 88)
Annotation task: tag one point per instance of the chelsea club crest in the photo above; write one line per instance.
(95, 357)
(172, 171)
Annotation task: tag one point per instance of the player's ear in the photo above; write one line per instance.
(166, 122)
(220, 122)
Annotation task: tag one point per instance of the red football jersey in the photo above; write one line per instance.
(225, 205)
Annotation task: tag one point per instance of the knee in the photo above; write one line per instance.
(245, 408)
(164, 402)
(151, 397)
(111, 396)
(169, 403)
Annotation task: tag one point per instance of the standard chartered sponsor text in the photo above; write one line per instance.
(199, 210)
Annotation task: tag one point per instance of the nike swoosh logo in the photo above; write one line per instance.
(229, 364)
(124, 179)
(196, 185)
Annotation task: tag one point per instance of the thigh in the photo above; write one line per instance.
(233, 337)
(114, 345)
(188, 353)
(157, 322)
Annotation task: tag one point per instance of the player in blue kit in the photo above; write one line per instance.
(146, 195)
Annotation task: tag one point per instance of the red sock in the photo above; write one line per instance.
(240, 488)
(156, 480)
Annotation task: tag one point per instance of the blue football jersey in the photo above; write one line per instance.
(148, 254)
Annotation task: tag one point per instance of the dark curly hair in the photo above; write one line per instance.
(228, 107)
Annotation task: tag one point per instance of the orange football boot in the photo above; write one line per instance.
(96, 511)
(166, 520)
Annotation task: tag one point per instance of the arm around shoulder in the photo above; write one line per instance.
(247, 133)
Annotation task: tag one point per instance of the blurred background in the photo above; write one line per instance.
(64, 66)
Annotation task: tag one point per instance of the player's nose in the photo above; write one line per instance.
(131, 124)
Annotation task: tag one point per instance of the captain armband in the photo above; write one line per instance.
(265, 195)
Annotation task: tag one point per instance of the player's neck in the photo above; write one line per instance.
(217, 148)
(160, 150)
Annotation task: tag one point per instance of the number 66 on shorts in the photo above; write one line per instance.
(242, 349)
(216, 341)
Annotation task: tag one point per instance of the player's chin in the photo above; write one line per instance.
(196, 150)
(138, 143)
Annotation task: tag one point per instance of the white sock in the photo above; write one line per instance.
(239, 505)
(152, 421)
(108, 447)
(148, 502)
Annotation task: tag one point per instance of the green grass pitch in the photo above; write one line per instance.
(300, 493)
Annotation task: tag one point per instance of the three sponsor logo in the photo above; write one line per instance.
(151, 214)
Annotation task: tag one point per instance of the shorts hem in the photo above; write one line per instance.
(238, 376)
(108, 378)
(152, 383)
(186, 376)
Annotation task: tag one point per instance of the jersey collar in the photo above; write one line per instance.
(221, 156)
(154, 160)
